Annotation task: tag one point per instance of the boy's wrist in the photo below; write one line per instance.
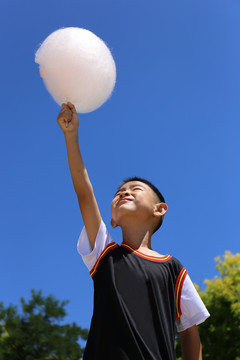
(71, 136)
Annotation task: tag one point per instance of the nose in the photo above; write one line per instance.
(125, 193)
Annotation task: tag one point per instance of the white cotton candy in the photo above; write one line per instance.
(77, 66)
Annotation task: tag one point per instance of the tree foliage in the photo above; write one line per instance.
(220, 334)
(37, 333)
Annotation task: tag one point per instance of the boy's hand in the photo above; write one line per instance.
(68, 118)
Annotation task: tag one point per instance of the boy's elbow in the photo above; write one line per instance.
(84, 195)
(83, 189)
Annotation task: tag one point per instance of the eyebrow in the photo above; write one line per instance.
(122, 188)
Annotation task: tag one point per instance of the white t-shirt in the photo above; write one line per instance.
(193, 309)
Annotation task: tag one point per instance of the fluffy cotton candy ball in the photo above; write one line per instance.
(77, 66)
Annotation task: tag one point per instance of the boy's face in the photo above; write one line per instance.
(135, 199)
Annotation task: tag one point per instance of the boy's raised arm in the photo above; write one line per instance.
(68, 122)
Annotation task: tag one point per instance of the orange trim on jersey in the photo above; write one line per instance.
(148, 257)
(109, 247)
(178, 291)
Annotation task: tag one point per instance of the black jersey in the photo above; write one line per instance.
(136, 301)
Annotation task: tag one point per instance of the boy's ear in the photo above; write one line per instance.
(113, 223)
(160, 209)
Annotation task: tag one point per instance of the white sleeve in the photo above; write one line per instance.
(193, 309)
(84, 248)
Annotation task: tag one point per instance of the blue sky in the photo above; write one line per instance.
(173, 118)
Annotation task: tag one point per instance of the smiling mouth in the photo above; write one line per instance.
(123, 200)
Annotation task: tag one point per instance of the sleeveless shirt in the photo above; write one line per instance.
(136, 301)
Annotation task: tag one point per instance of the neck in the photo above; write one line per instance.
(137, 236)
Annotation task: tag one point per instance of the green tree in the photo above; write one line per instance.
(220, 334)
(37, 333)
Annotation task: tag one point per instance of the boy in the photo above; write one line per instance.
(138, 293)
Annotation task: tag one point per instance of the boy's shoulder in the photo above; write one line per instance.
(177, 265)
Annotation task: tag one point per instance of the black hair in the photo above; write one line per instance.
(155, 190)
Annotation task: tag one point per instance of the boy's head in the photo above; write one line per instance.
(139, 198)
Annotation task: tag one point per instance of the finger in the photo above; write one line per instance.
(64, 106)
(63, 120)
(65, 111)
(72, 107)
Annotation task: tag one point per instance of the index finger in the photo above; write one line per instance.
(63, 106)
(71, 106)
